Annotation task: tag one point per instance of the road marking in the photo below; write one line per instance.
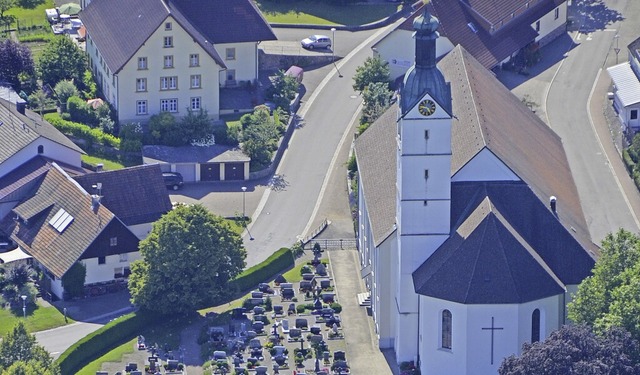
(613, 172)
(589, 37)
(327, 176)
(303, 111)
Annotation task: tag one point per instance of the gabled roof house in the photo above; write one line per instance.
(626, 88)
(492, 32)
(61, 223)
(150, 56)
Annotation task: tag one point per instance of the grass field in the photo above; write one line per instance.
(308, 12)
(38, 319)
(27, 17)
(114, 355)
(109, 165)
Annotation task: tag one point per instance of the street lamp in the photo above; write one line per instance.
(617, 49)
(24, 305)
(244, 190)
(333, 41)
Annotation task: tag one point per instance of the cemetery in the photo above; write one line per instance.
(284, 327)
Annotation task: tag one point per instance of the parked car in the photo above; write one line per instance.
(316, 41)
(173, 180)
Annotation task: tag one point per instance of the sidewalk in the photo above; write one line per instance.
(363, 354)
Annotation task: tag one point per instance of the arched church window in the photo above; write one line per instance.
(446, 329)
(535, 325)
(40, 149)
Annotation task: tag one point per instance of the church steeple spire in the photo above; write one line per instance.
(424, 77)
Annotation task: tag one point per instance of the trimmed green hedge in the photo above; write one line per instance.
(101, 341)
(276, 263)
(90, 135)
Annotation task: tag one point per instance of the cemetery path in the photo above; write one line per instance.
(362, 351)
(189, 348)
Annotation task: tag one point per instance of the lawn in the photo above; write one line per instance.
(109, 165)
(310, 12)
(38, 319)
(28, 17)
(114, 355)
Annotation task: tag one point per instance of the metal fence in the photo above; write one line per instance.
(333, 244)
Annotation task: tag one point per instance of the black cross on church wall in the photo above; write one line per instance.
(493, 328)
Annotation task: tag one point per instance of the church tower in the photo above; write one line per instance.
(423, 177)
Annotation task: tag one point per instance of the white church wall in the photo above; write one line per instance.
(407, 329)
(425, 217)
(550, 318)
(505, 336)
(427, 137)
(434, 359)
(398, 49)
(421, 177)
(485, 166)
(384, 305)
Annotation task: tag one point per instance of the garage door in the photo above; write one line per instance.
(210, 172)
(165, 167)
(188, 172)
(234, 171)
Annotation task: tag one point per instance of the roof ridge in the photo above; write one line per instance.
(504, 256)
(475, 263)
(536, 257)
(471, 93)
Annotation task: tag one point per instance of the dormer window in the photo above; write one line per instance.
(167, 26)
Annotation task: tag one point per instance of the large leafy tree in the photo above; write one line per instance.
(283, 90)
(260, 134)
(376, 97)
(611, 296)
(62, 59)
(188, 259)
(373, 70)
(15, 59)
(577, 350)
(19, 354)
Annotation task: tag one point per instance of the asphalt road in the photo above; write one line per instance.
(605, 205)
(57, 340)
(287, 210)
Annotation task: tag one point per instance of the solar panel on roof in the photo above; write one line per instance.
(61, 220)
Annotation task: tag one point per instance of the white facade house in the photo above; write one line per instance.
(508, 27)
(178, 57)
(626, 88)
(458, 245)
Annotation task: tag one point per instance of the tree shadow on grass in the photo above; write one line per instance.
(310, 12)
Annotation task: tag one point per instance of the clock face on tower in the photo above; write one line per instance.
(427, 107)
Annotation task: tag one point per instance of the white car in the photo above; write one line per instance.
(316, 41)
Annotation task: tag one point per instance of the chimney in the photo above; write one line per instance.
(552, 204)
(21, 107)
(99, 168)
(95, 198)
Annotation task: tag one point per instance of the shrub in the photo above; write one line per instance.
(305, 269)
(82, 131)
(101, 341)
(64, 90)
(300, 309)
(336, 307)
(81, 112)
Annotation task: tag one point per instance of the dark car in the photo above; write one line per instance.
(173, 180)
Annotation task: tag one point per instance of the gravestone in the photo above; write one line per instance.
(136, 372)
(261, 370)
(238, 313)
(256, 294)
(328, 297)
(288, 293)
(240, 371)
(258, 310)
(295, 332)
(317, 304)
(278, 310)
(325, 355)
(325, 283)
(264, 287)
(307, 276)
(286, 286)
(315, 330)
(339, 355)
(219, 355)
(172, 365)
(258, 326)
(102, 373)
(305, 286)
(255, 343)
(292, 309)
(302, 323)
(316, 339)
(321, 270)
(251, 334)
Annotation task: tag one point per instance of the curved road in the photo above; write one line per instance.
(605, 204)
(288, 208)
